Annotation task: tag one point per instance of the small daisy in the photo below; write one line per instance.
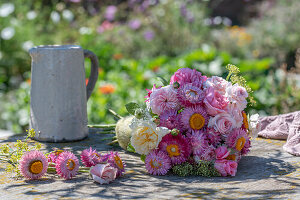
(208, 154)
(177, 147)
(33, 165)
(67, 165)
(190, 94)
(90, 157)
(169, 119)
(157, 162)
(115, 161)
(194, 118)
(238, 140)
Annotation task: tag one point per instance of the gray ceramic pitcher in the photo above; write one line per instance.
(59, 93)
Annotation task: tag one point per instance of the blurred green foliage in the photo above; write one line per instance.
(138, 40)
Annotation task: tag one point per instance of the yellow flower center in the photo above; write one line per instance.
(155, 164)
(172, 150)
(197, 121)
(97, 155)
(245, 120)
(118, 162)
(71, 164)
(231, 157)
(36, 167)
(57, 152)
(240, 143)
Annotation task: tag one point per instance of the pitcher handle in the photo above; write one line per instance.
(94, 72)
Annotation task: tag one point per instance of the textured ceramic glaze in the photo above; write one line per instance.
(58, 92)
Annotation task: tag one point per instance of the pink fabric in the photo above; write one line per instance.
(284, 127)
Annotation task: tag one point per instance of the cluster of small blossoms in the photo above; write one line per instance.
(103, 168)
(194, 119)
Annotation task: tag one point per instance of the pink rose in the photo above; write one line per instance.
(222, 152)
(237, 95)
(163, 99)
(215, 102)
(226, 167)
(222, 123)
(218, 83)
(234, 110)
(103, 173)
(187, 75)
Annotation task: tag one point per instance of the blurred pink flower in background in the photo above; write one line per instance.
(105, 26)
(110, 13)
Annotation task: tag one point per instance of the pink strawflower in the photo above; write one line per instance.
(169, 119)
(215, 102)
(177, 147)
(198, 142)
(163, 99)
(115, 161)
(67, 165)
(194, 118)
(221, 152)
(189, 94)
(239, 140)
(187, 75)
(33, 165)
(226, 167)
(54, 155)
(90, 157)
(157, 162)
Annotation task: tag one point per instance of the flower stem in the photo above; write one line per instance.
(114, 113)
(102, 126)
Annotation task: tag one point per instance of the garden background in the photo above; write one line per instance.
(138, 41)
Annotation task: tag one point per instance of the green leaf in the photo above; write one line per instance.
(130, 148)
(164, 81)
(131, 107)
(143, 157)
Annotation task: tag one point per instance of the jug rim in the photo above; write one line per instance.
(57, 47)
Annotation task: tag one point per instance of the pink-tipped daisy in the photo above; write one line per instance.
(189, 94)
(67, 165)
(239, 140)
(115, 161)
(194, 118)
(33, 165)
(157, 162)
(177, 147)
(54, 155)
(169, 119)
(90, 157)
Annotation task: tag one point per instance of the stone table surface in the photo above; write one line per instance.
(267, 172)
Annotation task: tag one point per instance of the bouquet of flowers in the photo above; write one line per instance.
(194, 125)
